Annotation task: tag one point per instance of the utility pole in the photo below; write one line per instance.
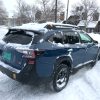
(67, 9)
(55, 11)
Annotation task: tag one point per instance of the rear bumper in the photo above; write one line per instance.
(23, 75)
(10, 71)
(29, 72)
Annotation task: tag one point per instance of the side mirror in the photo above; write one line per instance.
(96, 42)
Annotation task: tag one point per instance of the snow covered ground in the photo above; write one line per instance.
(84, 85)
(95, 36)
(3, 31)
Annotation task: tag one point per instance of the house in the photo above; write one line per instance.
(74, 20)
(91, 26)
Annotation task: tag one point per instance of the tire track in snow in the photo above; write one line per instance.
(82, 86)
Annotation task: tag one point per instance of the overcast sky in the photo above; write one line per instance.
(10, 5)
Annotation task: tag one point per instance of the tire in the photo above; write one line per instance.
(61, 78)
(98, 56)
(97, 59)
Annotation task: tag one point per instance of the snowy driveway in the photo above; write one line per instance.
(84, 85)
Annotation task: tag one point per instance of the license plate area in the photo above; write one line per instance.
(6, 56)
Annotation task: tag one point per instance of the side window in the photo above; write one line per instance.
(85, 38)
(71, 38)
(56, 38)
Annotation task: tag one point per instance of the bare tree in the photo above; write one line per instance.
(26, 13)
(3, 14)
(35, 13)
(23, 12)
(48, 9)
(44, 10)
(60, 8)
(85, 10)
(38, 15)
(44, 7)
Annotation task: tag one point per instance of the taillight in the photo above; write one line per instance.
(30, 53)
(27, 53)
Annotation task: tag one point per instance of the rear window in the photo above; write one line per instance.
(20, 37)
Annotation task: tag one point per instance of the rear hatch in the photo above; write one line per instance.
(14, 46)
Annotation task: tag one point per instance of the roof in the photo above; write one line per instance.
(42, 26)
(91, 24)
(30, 26)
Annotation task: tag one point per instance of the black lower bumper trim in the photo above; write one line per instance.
(9, 73)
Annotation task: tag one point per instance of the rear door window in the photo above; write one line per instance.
(71, 37)
(56, 38)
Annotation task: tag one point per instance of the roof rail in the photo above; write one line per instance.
(58, 25)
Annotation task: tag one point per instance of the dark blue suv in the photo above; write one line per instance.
(46, 51)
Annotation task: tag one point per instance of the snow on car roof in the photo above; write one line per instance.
(30, 26)
(41, 26)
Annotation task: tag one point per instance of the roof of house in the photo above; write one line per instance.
(91, 24)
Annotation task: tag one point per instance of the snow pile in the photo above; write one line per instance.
(3, 31)
(3, 26)
(95, 36)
